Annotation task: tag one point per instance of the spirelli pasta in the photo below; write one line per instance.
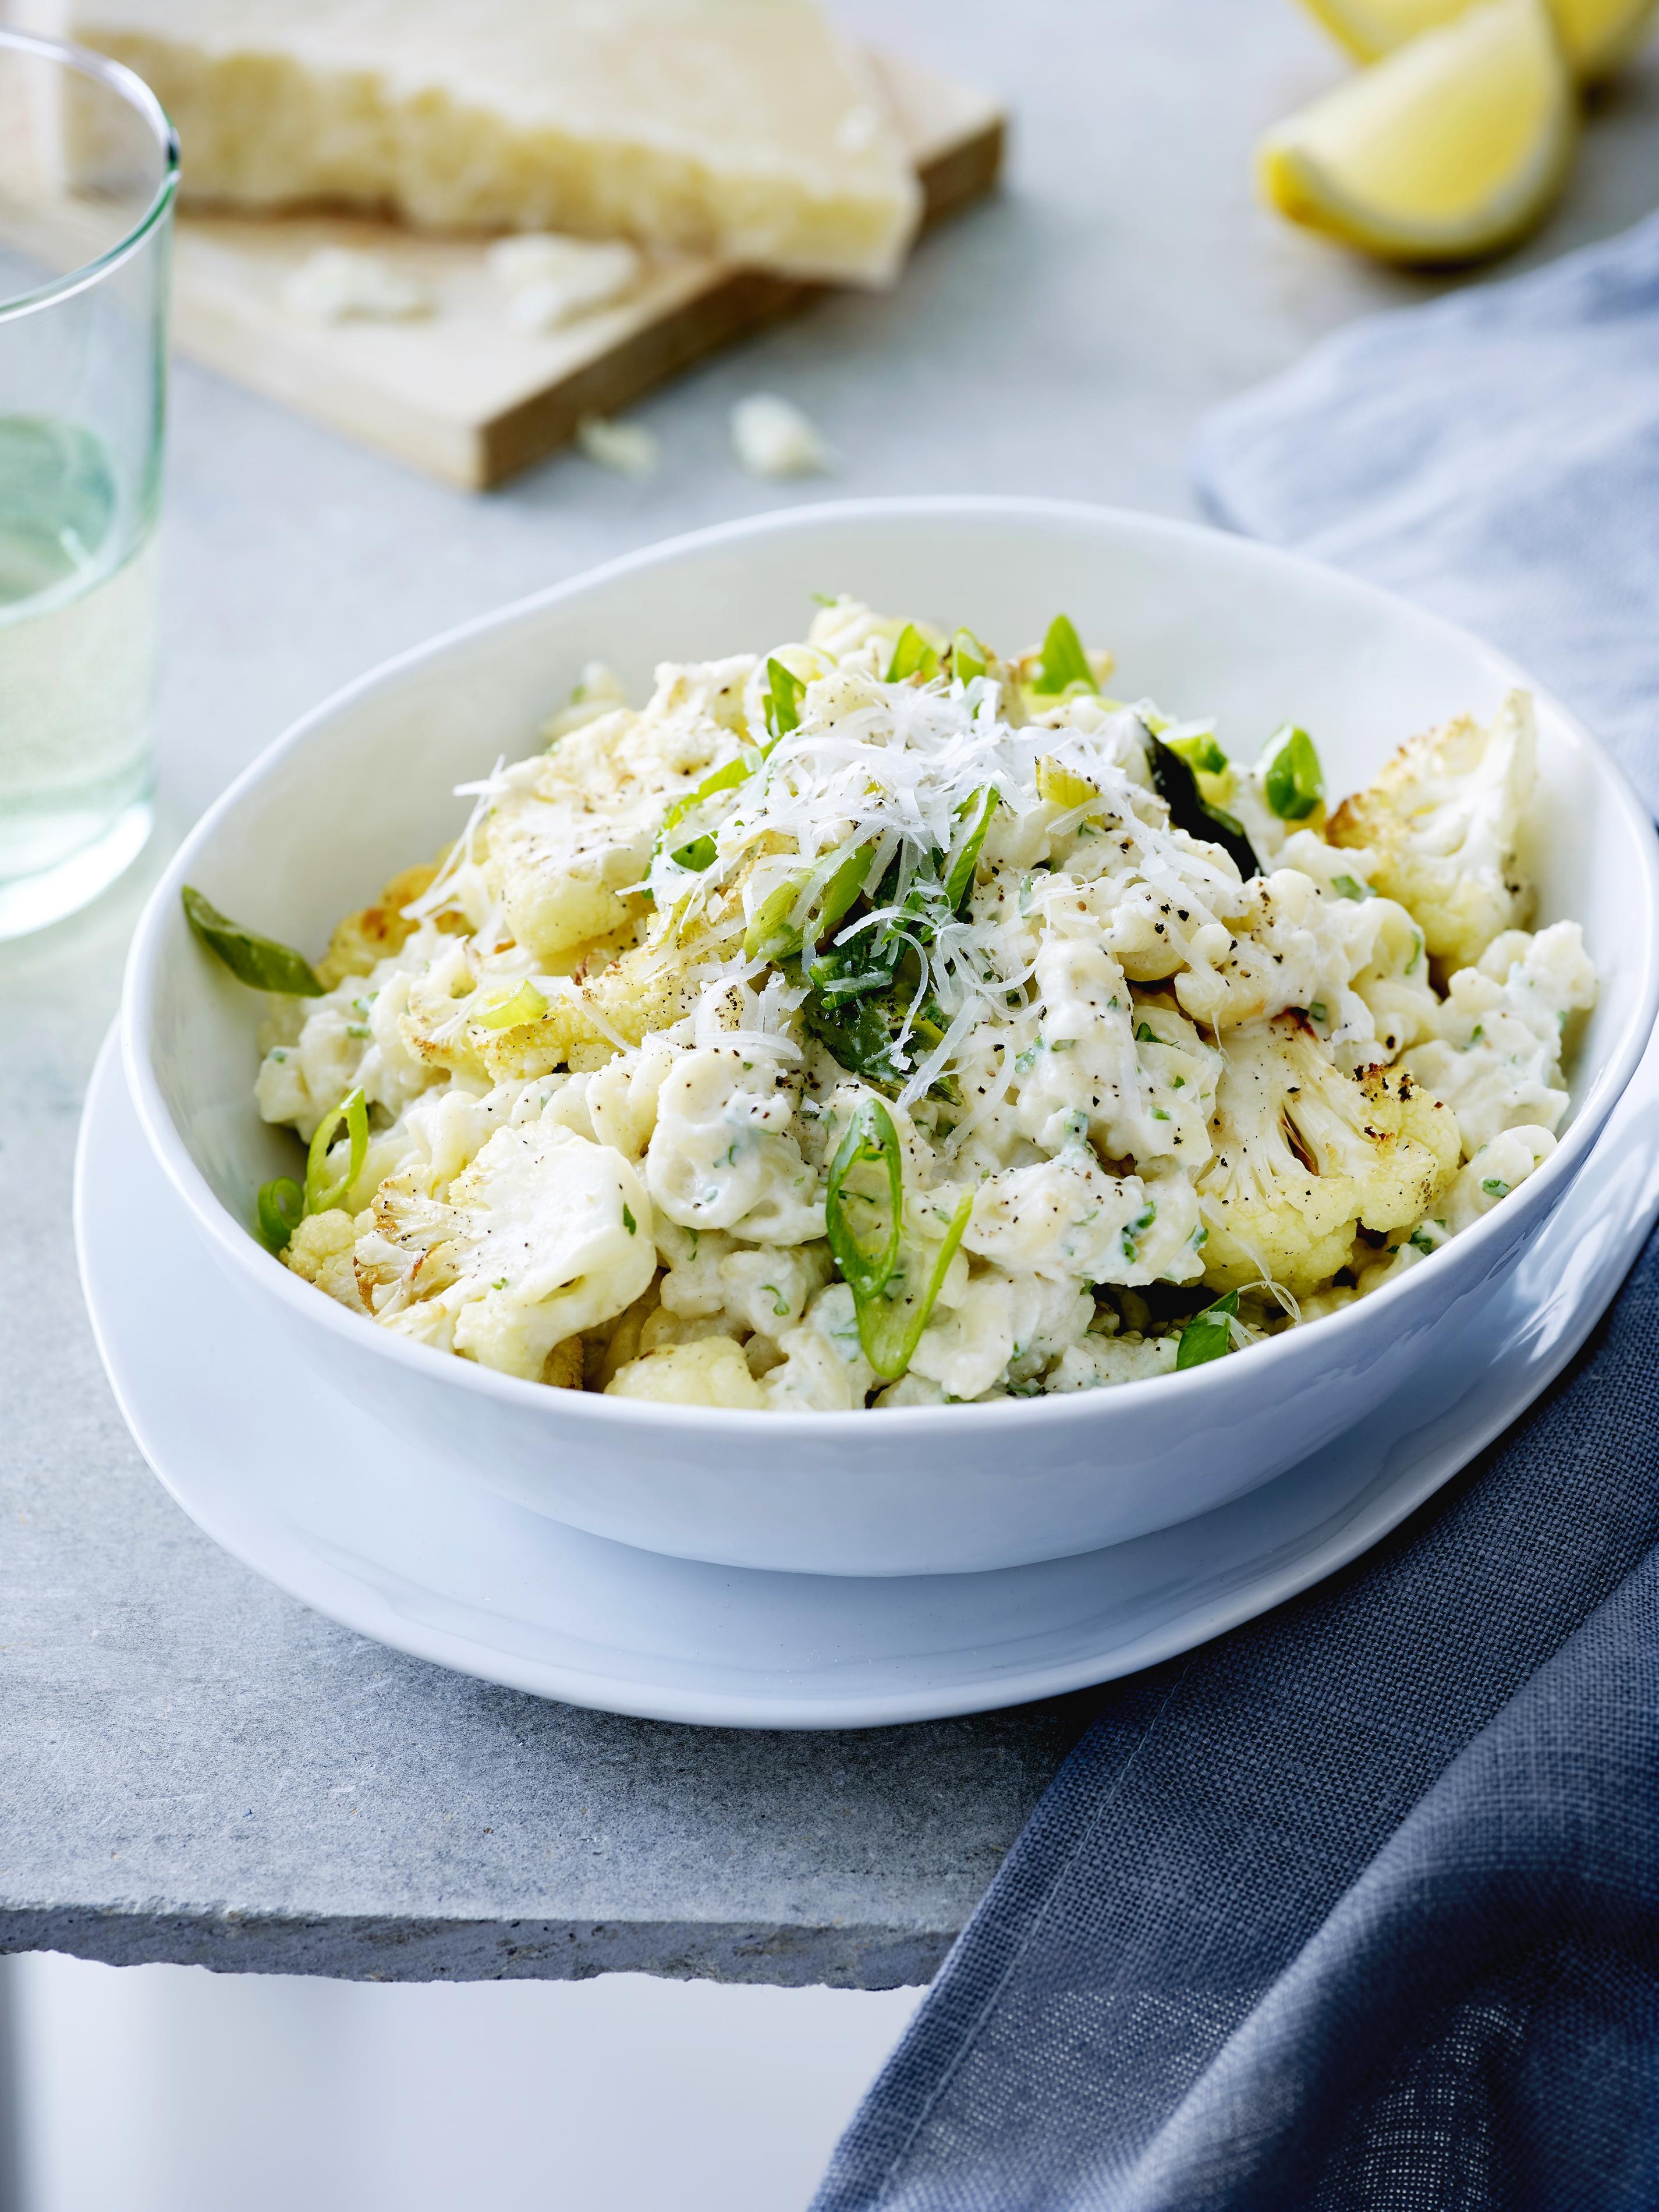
(878, 1021)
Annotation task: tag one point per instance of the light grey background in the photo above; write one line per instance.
(196, 1768)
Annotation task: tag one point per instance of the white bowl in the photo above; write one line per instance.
(1202, 622)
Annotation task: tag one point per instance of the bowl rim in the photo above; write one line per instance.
(1202, 1386)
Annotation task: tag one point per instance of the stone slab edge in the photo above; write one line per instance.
(385, 1949)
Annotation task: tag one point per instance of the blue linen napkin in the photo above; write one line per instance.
(1356, 1910)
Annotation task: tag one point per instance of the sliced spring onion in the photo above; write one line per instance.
(1177, 787)
(701, 853)
(784, 693)
(772, 936)
(960, 880)
(514, 1010)
(871, 1144)
(320, 1194)
(281, 1206)
(968, 658)
(912, 656)
(1209, 1333)
(259, 962)
(1064, 660)
(1059, 787)
(1292, 781)
(891, 1325)
(1201, 752)
(1350, 887)
(867, 1179)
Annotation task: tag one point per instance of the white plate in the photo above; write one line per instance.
(308, 1491)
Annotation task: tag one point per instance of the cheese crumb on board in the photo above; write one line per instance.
(772, 438)
(549, 282)
(335, 285)
(628, 447)
(745, 129)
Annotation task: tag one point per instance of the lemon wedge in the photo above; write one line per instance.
(1452, 147)
(1599, 36)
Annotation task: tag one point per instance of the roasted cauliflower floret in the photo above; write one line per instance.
(712, 1371)
(321, 1251)
(544, 1235)
(1306, 1154)
(1442, 825)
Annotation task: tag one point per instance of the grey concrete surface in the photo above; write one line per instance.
(191, 1766)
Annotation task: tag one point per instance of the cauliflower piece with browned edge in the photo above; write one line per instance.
(1442, 824)
(1307, 1154)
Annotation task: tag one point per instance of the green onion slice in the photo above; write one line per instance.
(727, 778)
(1350, 887)
(912, 656)
(968, 658)
(281, 1204)
(784, 693)
(1292, 781)
(512, 1011)
(1209, 1333)
(259, 962)
(891, 1325)
(1064, 660)
(865, 1217)
(959, 882)
(772, 936)
(321, 1195)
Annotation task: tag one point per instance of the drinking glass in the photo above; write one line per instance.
(88, 165)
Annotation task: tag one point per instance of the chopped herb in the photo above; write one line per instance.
(826, 599)
(1177, 1083)
(1421, 1239)
(1292, 781)
(628, 1222)
(1350, 887)
(780, 1304)
(1064, 661)
(1208, 1335)
(1316, 1008)
(1495, 1186)
(1145, 1033)
(357, 1029)
(700, 854)
(281, 1206)
(259, 962)
(499, 1283)
(1158, 1113)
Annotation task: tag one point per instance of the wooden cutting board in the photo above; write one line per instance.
(458, 393)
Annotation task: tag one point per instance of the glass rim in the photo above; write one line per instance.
(137, 95)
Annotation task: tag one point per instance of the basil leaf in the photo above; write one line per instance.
(1064, 660)
(281, 1206)
(320, 1194)
(1177, 787)
(1208, 1335)
(912, 656)
(1292, 781)
(259, 962)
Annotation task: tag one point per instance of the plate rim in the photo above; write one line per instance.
(359, 1607)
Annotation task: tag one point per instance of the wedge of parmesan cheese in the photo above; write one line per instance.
(745, 129)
